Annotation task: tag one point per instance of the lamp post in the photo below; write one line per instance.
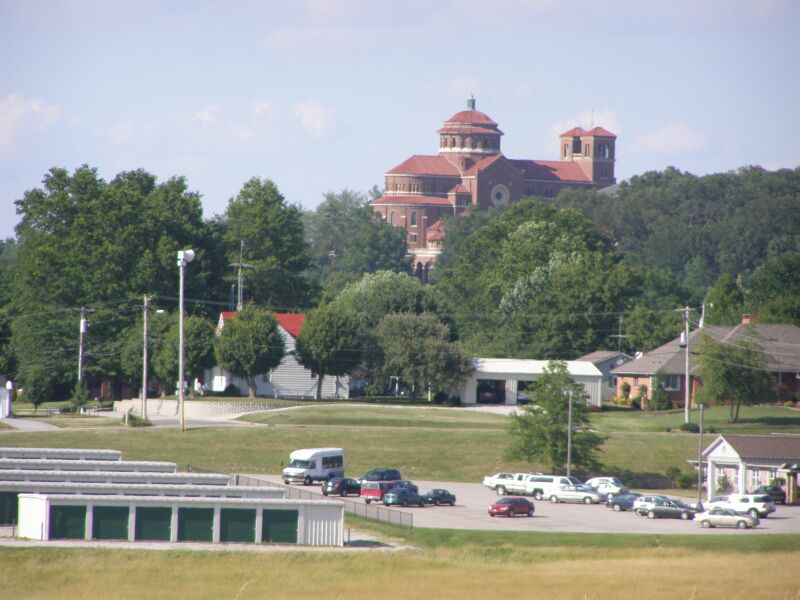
(144, 360)
(184, 258)
(569, 435)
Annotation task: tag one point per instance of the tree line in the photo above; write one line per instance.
(536, 279)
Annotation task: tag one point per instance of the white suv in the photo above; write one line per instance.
(755, 505)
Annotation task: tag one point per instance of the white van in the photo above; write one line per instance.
(314, 464)
(542, 486)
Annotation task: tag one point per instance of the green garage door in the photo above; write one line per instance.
(110, 522)
(67, 522)
(280, 526)
(8, 508)
(195, 524)
(237, 525)
(153, 523)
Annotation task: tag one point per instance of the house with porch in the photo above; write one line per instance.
(780, 344)
(745, 462)
(290, 379)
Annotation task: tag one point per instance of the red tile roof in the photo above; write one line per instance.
(551, 170)
(473, 117)
(436, 231)
(580, 131)
(482, 164)
(460, 128)
(421, 164)
(404, 200)
(459, 188)
(291, 322)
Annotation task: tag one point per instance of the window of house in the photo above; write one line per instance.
(566, 149)
(671, 383)
(412, 238)
(548, 193)
(414, 218)
(393, 219)
(452, 142)
(586, 150)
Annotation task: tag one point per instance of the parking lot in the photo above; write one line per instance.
(474, 498)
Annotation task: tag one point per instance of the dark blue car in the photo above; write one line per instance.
(439, 496)
(619, 502)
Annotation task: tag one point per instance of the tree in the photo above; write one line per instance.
(659, 398)
(250, 345)
(774, 290)
(417, 348)
(198, 349)
(539, 430)
(162, 365)
(272, 232)
(724, 302)
(349, 239)
(328, 343)
(734, 372)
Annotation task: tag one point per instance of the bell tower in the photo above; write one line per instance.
(593, 149)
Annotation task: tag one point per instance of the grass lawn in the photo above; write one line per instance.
(70, 421)
(490, 566)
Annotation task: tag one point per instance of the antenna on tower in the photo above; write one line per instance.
(240, 275)
(471, 102)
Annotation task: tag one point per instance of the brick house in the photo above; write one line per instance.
(780, 343)
(471, 171)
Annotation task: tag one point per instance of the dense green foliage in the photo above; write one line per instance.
(699, 227)
(349, 239)
(539, 431)
(329, 343)
(250, 345)
(734, 373)
(274, 245)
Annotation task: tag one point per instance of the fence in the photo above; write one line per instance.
(381, 514)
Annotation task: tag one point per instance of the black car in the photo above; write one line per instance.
(382, 475)
(439, 496)
(620, 502)
(341, 486)
(671, 509)
(775, 492)
(405, 483)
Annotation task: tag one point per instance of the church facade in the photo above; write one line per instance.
(470, 170)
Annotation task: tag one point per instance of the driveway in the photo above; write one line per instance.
(474, 498)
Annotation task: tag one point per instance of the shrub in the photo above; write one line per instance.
(789, 404)
(232, 390)
(136, 421)
(723, 484)
(685, 481)
(660, 398)
(690, 427)
(625, 388)
(79, 398)
(711, 429)
(673, 473)
(635, 403)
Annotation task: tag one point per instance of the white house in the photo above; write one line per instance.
(605, 360)
(748, 461)
(503, 380)
(289, 379)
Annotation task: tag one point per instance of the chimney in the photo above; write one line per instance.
(748, 319)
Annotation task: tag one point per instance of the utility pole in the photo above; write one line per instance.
(569, 435)
(144, 360)
(700, 460)
(619, 335)
(240, 276)
(686, 376)
(80, 345)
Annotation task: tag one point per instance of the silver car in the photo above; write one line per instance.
(576, 493)
(725, 517)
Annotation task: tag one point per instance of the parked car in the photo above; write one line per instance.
(576, 493)
(644, 502)
(620, 502)
(671, 509)
(775, 492)
(341, 486)
(375, 483)
(405, 483)
(382, 475)
(492, 481)
(439, 496)
(607, 485)
(725, 517)
(511, 506)
(755, 505)
(403, 497)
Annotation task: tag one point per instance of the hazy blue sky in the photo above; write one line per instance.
(326, 94)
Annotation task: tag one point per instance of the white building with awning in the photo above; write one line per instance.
(506, 380)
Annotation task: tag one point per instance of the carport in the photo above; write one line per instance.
(498, 380)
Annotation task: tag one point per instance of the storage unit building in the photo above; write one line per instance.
(61, 453)
(10, 491)
(147, 518)
(50, 464)
(116, 477)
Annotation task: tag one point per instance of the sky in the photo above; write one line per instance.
(323, 95)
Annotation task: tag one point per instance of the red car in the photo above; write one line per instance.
(510, 506)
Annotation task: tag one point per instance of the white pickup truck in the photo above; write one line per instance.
(527, 484)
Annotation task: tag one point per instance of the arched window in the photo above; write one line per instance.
(453, 142)
(586, 150)
(393, 218)
(414, 218)
(566, 149)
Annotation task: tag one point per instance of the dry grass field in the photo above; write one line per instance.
(472, 572)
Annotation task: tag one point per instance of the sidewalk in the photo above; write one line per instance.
(29, 424)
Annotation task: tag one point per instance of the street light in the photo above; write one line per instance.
(184, 258)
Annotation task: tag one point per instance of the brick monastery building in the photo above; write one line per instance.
(470, 170)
